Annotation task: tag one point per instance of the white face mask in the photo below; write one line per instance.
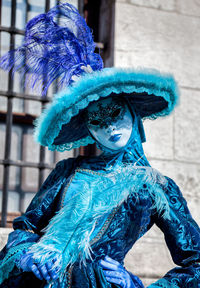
(110, 122)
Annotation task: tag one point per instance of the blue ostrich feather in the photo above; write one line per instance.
(56, 46)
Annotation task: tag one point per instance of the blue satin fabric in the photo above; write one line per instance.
(131, 221)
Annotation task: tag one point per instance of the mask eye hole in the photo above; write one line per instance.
(116, 113)
(95, 122)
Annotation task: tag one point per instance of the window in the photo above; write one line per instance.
(23, 164)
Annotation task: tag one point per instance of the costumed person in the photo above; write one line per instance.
(91, 210)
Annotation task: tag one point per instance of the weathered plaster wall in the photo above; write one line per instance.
(164, 35)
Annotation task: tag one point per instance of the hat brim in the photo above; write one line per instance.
(151, 93)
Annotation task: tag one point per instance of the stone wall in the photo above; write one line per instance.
(164, 35)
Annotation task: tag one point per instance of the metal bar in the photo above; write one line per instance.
(20, 163)
(24, 96)
(81, 7)
(12, 30)
(6, 171)
(47, 5)
(0, 11)
(42, 148)
(19, 190)
(23, 119)
(0, 23)
(8, 127)
(19, 118)
(41, 166)
(99, 45)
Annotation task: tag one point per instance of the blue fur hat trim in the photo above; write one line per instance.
(60, 127)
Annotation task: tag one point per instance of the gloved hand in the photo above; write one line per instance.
(115, 273)
(47, 271)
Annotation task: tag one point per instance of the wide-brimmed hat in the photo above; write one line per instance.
(59, 45)
(61, 126)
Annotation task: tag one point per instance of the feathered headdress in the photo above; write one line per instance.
(58, 45)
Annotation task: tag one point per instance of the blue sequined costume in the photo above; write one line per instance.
(117, 231)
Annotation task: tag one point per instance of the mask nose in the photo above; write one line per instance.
(111, 129)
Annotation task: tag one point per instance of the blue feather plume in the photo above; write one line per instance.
(56, 45)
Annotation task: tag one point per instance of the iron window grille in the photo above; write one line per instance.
(10, 118)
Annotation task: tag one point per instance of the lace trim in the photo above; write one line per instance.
(50, 122)
(69, 277)
(72, 145)
(105, 226)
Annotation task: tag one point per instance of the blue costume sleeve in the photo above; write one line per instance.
(182, 236)
(27, 228)
(43, 206)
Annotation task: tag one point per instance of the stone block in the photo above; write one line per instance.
(3, 100)
(2, 140)
(169, 5)
(20, 15)
(6, 14)
(159, 138)
(47, 172)
(30, 147)
(49, 156)
(187, 127)
(165, 41)
(4, 236)
(27, 199)
(146, 252)
(191, 7)
(17, 87)
(193, 205)
(1, 177)
(154, 233)
(3, 82)
(30, 179)
(18, 104)
(64, 155)
(15, 142)
(13, 196)
(14, 177)
(13, 201)
(187, 177)
(5, 40)
(33, 107)
(148, 281)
